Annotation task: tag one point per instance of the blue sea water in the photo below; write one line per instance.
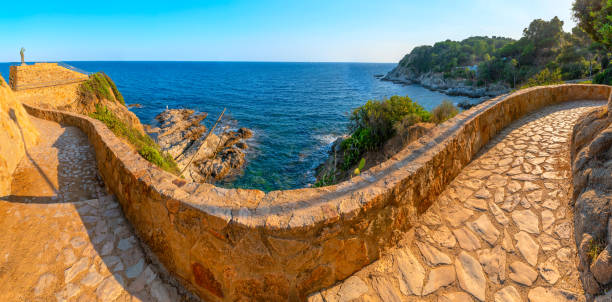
(296, 110)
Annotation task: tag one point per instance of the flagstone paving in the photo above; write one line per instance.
(63, 237)
(501, 231)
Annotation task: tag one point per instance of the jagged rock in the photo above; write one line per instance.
(602, 267)
(183, 136)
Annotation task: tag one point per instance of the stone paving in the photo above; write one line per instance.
(63, 237)
(501, 231)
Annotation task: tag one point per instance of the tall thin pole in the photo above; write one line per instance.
(200, 148)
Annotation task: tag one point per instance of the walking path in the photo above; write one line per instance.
(63, 238)
(501, 231)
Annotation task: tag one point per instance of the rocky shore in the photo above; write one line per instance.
(212, 156)
(437, 82)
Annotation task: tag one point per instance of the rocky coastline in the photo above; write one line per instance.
(202, 156)
(437, 82)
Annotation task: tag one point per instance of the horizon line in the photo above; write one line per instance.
(203, 61)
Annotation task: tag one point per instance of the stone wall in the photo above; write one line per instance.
(42, 75)
(591, 157)
(228, 244)
(49, 97)
(16, 132)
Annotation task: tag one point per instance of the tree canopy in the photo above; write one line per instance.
(544, 45)
(595, 18)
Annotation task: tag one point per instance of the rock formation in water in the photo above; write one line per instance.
(182, 134)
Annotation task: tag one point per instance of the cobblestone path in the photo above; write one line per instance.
(501, 231)
(63, 238)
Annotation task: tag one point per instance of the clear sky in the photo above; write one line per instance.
(301, 30)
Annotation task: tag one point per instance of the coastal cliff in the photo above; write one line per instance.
(16, 134)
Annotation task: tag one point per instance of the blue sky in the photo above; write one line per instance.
(307, 30)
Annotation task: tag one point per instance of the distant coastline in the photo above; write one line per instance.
(437, 82)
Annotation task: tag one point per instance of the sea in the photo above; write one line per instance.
(296, 110)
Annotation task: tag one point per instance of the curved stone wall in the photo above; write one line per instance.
(225, 244)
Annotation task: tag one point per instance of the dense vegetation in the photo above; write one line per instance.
(143, 144)
(372, 124)
(101, 86)
(483, 60)
(595, 18)
(448, 55)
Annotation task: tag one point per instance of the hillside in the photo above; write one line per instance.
(483, 66)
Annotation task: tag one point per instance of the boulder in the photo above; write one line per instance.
(602, 266)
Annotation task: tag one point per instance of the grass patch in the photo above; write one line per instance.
(595, 247)
(327, 180)
(144, 144)
(101, 86)
(444, 112)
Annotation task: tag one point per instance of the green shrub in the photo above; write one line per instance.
(327, 180)
(444, 112)
(594, 248)
(118, 95)
(144, 144)
(544, 77)
(373, 124)
(100, 86)
(604, 77)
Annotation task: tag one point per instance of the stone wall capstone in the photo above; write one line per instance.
(228, 244)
